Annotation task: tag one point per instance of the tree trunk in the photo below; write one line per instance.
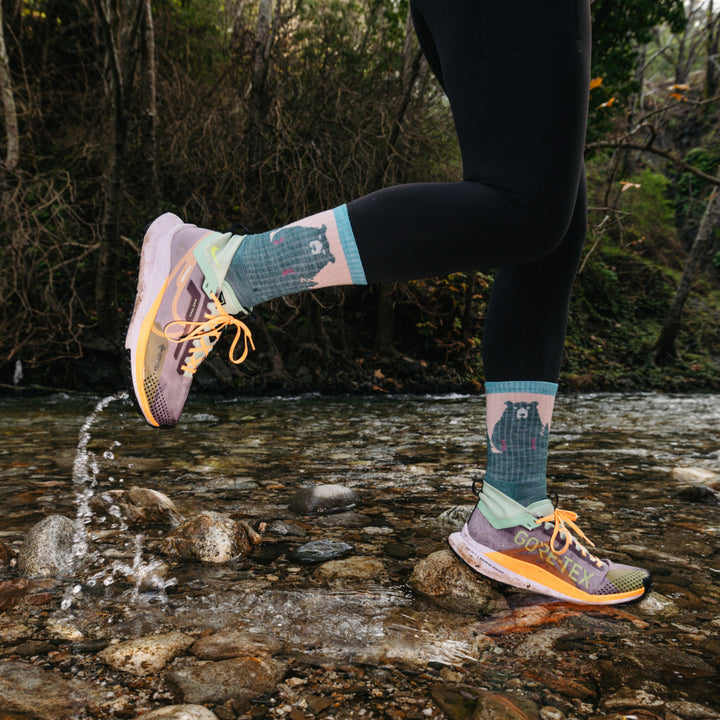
(711, 52)
(12, 136)
(665, 348)
(149, 112)
(259, 99)
(412, 55)
(121, 63)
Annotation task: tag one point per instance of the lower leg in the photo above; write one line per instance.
(522, 350)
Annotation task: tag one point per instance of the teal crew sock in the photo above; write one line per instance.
(319, 251)
(518, 427)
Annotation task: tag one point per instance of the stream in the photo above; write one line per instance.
(642, 471)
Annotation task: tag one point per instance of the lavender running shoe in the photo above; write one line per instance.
(532, 548)
(182, 307)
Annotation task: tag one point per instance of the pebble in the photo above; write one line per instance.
(658, 605)
(218, 682)
(211, 537)
(179, 712)
(225, 645)
(48, 548)
(286, 529)
(322, 499)
(42, 694)
(548, 712)
(352, 568)
(626, 698)
(449, 583)
(146, 655)
(318, 551)
(137, 506)
(692, 474)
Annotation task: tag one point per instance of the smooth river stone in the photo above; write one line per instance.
(322, 499)
(48, 548)
(318, 551)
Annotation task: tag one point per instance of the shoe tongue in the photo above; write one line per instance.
(541, 508)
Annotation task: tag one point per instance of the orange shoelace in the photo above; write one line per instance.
(205, 334)
(564, 521)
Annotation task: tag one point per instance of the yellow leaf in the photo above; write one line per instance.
(678, 96)
(608, 103)
(596, 82)
(679, 86)
(627, 185)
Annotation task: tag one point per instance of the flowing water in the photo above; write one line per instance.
(617, 460)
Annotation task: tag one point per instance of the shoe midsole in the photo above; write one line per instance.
(154, 270)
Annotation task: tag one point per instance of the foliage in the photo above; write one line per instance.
(333, 115)
(619, 30)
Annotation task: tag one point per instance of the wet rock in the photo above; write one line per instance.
(399, 551)
(12, 632)
(179, 712)
(658, 605)
(48, 548)
(217, 682)
(352, 568)
(286, 529)
(540, 643)
(12, 591)
(567, 682)
(700, 494)
(318, 551)
(36, 693)
(627, 698)
(691, 710)
(322, 499)
(453, 519)
(6, 555)
(466, 703)
(449, 583)
(342, 520)
(420, 638)
(211, 537)
(230, 483)
(61, 629)
(31, 648)
(548, 712)
(146, 655)
(693, 475)
(137, 506)
(226, 645)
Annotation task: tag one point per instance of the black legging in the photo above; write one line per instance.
(516, 73)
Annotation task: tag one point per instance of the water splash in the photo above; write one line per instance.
(84, 477)
(144, 574)
(85, 471)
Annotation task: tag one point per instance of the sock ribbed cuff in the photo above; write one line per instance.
(349, 246)
(538, 387)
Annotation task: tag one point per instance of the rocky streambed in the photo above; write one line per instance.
(287, 558)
